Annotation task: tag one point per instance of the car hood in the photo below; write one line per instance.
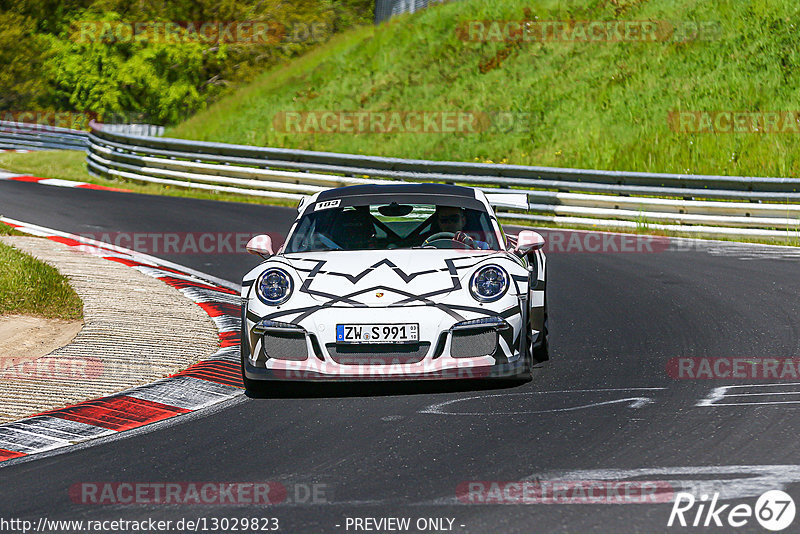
(381, 278)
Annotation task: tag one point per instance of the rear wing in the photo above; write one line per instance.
(304, 201)
(518, 201)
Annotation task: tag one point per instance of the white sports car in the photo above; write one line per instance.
(392, 282)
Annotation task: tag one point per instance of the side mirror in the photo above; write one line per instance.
(527, 242)
(260, 245)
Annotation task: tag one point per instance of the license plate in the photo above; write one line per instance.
(377, 333)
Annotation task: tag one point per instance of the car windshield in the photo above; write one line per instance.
(392, 226)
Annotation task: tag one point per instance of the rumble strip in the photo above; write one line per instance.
(208, 382)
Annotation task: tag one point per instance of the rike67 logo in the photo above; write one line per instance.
(774, 510)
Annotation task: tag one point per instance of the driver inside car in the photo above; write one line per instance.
(452, 219)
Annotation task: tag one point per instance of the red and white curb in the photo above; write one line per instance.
(18, 150)
(208, 382)
(57, 182)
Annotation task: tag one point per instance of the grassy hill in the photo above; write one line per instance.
(576, 103)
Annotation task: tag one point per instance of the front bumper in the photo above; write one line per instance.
(496, 371)
(448, 348)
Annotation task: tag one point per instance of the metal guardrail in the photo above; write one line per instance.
(134, 129)
(20, 136)
(386, 9)
(574, 196)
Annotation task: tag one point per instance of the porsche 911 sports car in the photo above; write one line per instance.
(391, 282)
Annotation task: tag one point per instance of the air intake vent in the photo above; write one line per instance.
(378, 353)
(473, 343)
(286, 345)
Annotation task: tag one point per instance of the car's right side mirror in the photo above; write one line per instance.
(527, 242)
(260, 245)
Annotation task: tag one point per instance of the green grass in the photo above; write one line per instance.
(642, 222)
(71, 165)
(602, 106)
(8, 230)
(31, 287)
(63, 164)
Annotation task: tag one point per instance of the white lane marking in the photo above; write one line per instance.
(60, 183)
(757, 394)
(756, 251)
(635, 402)
(757, 403)
(721, 393)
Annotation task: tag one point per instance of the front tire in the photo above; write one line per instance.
(541, 349)
(253, 386)
(525, 372)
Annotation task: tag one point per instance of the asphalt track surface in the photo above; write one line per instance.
(402, 451)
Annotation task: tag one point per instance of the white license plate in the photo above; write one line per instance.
(377, 333)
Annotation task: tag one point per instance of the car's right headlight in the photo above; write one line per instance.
(489, 283)
(274, 286)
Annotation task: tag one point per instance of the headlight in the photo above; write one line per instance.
(274, 287)
(488, 283)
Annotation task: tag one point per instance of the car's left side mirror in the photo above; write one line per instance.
(260, 245)
(527, 242)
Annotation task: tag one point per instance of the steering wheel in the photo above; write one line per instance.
(437, 236)
(442, 236)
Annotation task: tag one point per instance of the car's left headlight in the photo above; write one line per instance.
(274, 286)
(489, 283)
